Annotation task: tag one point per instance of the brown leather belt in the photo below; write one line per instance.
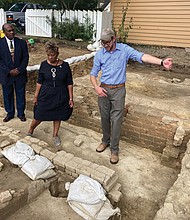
(112, 86)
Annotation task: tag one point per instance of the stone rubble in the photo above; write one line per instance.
(63, 161)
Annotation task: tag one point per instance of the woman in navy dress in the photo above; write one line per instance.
(53, 98)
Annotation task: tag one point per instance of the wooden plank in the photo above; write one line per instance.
(153, 16)
(160, 43)
(157, 36)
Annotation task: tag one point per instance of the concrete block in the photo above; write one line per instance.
(16, 132)
(14, 137)
(115, 195)
(9, 130)
(77, 160)
(112, 183)
(32, 139)
(60, 161)
(61, 153)
(37, 148)
(99, 176)
(5, 196)
(117, 187)
(60, 167)
(107, 179)
(71, 166)
(74, 175)
(3, 128)
(1, 166)
(69, 156)
(26, 141)
(46, 153)
(83, 170)
(5, 143)
(105, 170)
(78, 142)
(93, 166)
(43, 144)
(5, 133)
(86, 163)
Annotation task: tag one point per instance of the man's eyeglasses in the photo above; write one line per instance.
(103, 42)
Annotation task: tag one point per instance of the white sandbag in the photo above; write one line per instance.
(36, 166)
(18, 153)
(46, 174)
(99, 211)
(87, 211)
(107, 211)
(86, 190)
(87, 198)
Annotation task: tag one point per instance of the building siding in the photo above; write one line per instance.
(155, 22)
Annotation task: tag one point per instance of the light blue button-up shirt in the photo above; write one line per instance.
(113, 64)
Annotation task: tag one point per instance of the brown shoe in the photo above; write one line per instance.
(101, 147)
(114, 158)
(7, 118)
(22, 118)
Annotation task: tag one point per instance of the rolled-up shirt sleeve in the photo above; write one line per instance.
(113, 63)
(135, 55)
(96, 65)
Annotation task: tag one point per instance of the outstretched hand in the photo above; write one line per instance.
(167, 63)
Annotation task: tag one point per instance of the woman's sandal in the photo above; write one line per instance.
(29, 134)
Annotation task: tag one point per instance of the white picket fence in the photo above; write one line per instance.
(2, 18)
(38, 22)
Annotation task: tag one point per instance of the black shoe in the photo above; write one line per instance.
(22, 118)
(7, 118)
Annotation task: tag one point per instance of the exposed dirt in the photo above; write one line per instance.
(180, 57)
(37, 53)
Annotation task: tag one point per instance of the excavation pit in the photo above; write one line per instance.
(154, 140)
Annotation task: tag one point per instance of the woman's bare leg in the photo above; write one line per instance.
(56, 139)
(56, 126)
(33, 125)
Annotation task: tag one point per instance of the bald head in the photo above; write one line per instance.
(6, 25)
(8, 30)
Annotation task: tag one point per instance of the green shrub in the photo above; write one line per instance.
(71, 30)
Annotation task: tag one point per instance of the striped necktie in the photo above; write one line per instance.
(11, 46)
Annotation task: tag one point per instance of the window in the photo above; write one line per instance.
(29, 6)
(17, 7)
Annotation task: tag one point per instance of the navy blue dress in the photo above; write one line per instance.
(53, 98)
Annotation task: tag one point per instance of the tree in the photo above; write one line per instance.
(70, 4)
(6, 4)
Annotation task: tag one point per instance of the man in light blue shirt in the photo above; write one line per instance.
(112, 60)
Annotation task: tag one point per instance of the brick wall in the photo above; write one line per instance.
(142, 126)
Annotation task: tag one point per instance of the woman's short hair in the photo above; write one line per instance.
(51, 46)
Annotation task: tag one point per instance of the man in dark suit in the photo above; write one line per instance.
(13, 74)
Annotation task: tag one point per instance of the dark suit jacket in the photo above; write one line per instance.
(21, 58)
